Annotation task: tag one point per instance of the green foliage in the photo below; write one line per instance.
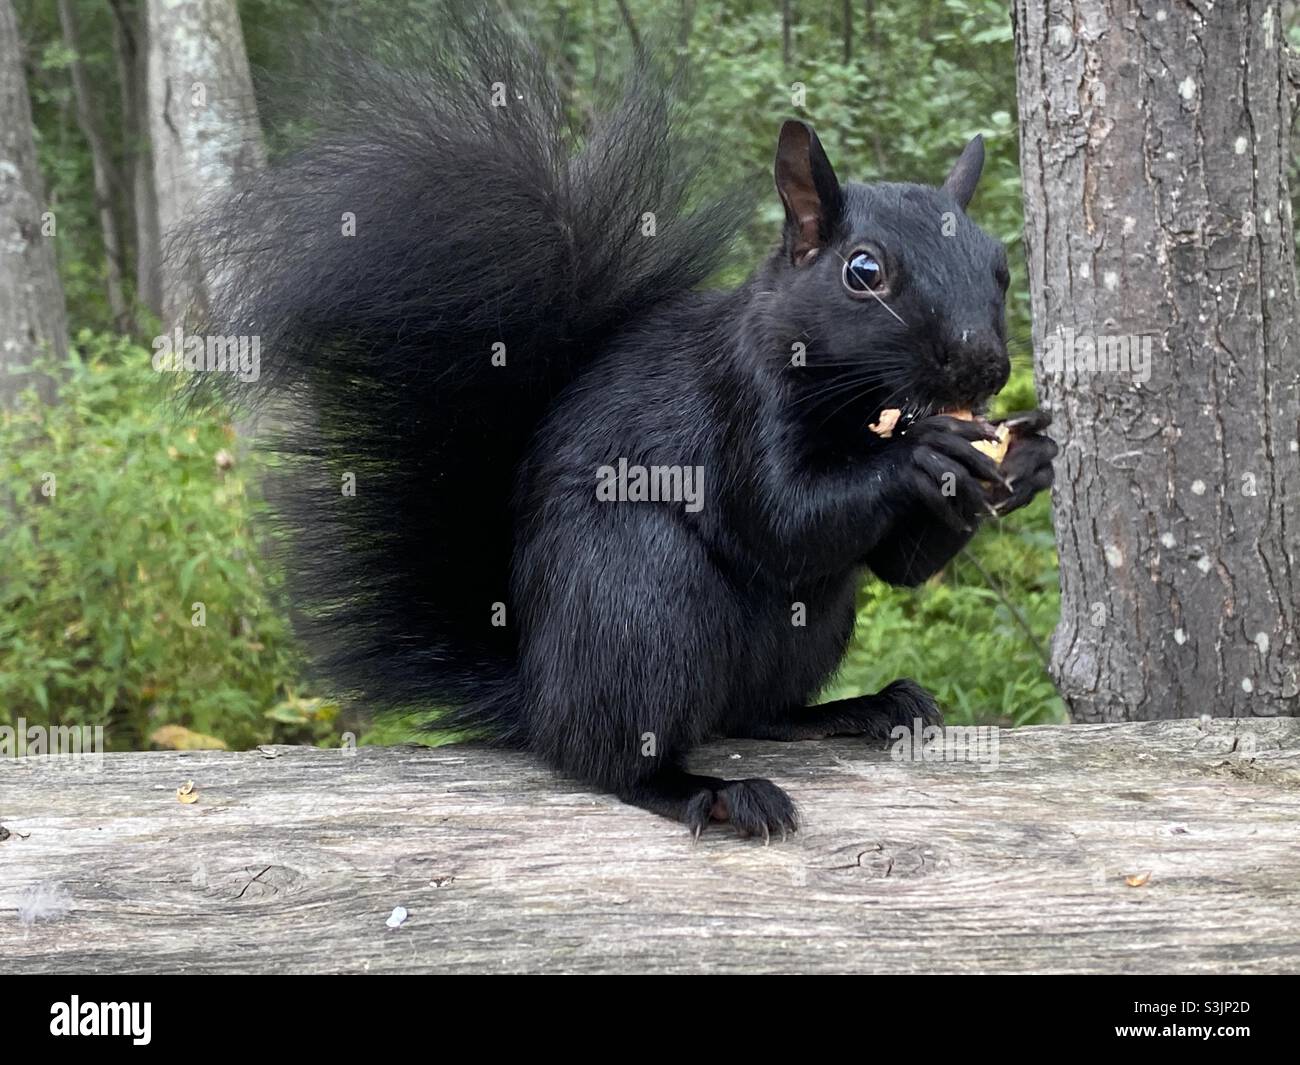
(962, 635)
(118, 518)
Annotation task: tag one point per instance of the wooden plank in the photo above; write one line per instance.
(293, 863)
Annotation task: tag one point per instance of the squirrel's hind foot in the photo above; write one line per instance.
(902, 703)
(755, 808)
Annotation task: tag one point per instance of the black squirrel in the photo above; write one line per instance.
(471, 315)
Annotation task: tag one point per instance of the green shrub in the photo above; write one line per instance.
(963, 639)
(133, 593)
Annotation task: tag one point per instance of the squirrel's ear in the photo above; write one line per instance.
(966, 172)
(808, 189)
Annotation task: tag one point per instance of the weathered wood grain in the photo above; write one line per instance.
(293, 863)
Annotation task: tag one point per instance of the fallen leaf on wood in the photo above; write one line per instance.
(180, 738)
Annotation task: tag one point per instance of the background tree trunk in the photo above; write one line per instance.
(129, 48)
(32, 314)
(108, 183)
(203, 125)
(1154, 155)
(630, 23)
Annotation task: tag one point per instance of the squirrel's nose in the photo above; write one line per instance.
(977, 360)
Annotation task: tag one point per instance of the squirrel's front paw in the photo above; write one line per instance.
(1027, 466)
(948, 475)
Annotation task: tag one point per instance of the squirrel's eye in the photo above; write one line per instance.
(863, 273)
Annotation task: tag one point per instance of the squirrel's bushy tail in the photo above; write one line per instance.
(446, 210)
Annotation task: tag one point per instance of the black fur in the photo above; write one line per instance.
(635, 630)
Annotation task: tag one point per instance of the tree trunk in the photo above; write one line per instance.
(107, 183)
(203, 127)
(125, 43)
(630, 23)
(129, 36)
(1154, 155)
(32, 313)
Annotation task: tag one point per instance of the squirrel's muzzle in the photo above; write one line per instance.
(975, 364)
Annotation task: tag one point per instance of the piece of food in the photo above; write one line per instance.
(888, 419)
(994, 449)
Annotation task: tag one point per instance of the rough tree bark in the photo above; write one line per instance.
(1154, 154)
(32, 313)
(203, 125)
(107, 181)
